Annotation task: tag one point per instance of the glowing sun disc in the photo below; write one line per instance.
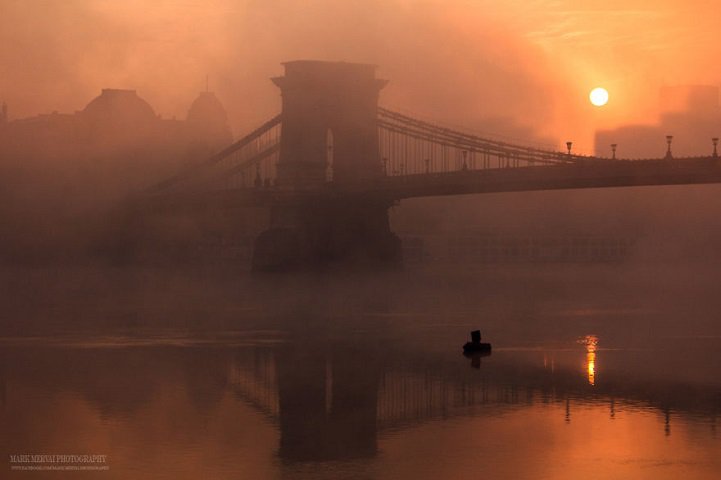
(599, 96)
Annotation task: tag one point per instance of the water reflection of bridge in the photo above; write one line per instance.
(335, 404)
(334, 401)
(402, 397)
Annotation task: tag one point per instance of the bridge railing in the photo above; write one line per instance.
(411, 146)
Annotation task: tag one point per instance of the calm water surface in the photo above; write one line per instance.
(596, 373)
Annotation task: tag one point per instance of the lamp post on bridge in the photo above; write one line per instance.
(569, 145)
(715, 147)
(669, 139)
(613, 151)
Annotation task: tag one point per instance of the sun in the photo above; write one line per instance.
(599, 96)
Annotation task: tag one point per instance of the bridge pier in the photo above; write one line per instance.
(323, 232)
(329, 136)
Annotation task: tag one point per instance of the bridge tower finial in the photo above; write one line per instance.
(715, 147)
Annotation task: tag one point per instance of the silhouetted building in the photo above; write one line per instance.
(120, 126)
(694, 98)
(691, 114)
(57, 167)
(208, 121)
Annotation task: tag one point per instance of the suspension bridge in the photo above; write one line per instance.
(333, 161)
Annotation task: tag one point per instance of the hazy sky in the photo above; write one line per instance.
(459, 61)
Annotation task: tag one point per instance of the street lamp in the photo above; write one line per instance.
(669, 139)
(569, 145)
(715, 147)
(613, 150)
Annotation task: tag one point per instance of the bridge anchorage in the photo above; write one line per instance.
(333, 162)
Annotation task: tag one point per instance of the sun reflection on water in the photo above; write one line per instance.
(591, 342)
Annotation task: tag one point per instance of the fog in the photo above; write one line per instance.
(312, 323)
(452, 60)
(518, 71)
(57, 56)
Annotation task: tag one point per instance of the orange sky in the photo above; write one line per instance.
(459, 61)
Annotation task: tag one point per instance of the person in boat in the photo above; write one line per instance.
(475, 344)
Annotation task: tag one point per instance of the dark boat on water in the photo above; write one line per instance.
(475, 344)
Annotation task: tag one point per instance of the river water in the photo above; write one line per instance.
(596, 372)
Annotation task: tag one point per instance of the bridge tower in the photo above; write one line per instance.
(328, 96)
(329, 112)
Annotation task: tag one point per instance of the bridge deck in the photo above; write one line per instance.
(593, 174)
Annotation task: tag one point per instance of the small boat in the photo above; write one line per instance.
(475, 344)
(472, 347)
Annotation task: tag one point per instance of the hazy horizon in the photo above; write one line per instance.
(532, 63)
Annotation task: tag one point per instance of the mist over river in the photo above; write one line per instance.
(597, 371)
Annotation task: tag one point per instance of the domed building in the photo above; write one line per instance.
(208, 123)
(117, 135)
(207, 108)
(115, 105)
(117, 119)
(61, 167)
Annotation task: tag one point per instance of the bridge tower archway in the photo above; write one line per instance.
(321, 96)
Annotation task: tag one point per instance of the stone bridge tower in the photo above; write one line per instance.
(329, 113)
(329, 139)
